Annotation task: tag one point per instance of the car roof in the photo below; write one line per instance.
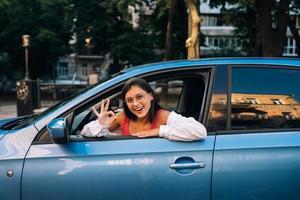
(214, 61)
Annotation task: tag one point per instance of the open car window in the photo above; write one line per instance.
(183, 92)
(174, 94)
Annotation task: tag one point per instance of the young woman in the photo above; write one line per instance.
(143, 117)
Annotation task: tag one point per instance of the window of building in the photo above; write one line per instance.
(62, 70)
(251, 101)
(212, 21)
(271, 98)
(290, 47)
(277, 101)
(222, 42)
(209, 20)
(298, 22)
(84, 69)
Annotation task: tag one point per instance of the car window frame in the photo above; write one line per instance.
(204, 70)
(229, 130)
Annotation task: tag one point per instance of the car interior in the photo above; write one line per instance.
(182, 94)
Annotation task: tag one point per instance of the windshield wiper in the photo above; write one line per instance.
(15, 123)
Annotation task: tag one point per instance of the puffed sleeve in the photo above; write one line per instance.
(180, 128)
(94, 129)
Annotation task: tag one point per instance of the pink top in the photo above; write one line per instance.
(125, 124)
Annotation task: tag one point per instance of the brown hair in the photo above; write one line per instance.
(141, 83)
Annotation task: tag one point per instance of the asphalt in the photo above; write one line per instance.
(8, 107)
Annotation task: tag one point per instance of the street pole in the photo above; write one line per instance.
(26, 64)
(25, 44)
(27, 90)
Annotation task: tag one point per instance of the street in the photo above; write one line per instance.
(8, 106)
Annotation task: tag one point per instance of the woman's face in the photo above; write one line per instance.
(138, 101)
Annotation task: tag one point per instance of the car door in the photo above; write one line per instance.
(120, 168)
(257, 157)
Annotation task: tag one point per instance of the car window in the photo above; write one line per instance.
(174, 94)
(217, 117)
(265, 98)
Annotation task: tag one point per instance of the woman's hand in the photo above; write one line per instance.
(147, 133)
(105, 117)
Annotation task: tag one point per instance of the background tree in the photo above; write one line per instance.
(111, 33)
(169, 35)
(5, 68)
(52, 24)
(259, 23)
(295, 8)
(192, 43)
(48, 24)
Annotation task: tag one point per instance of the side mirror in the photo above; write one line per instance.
(57, 130)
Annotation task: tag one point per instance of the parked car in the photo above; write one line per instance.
(250, 107)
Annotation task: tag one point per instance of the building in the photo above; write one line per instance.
(219, 39)
(267, 109)
(79, 67)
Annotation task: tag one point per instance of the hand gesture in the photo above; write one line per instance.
(105, 117)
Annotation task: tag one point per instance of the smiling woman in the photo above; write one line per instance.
(143, 117)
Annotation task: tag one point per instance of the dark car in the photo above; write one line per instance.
(250, 107)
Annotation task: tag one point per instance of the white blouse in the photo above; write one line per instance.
(178, 128)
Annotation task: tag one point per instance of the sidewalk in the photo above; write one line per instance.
(8, 106)
(8, 110)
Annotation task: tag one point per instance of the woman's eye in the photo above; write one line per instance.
(139, 97)
(129, 100)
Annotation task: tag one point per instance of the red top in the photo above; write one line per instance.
(125, 124)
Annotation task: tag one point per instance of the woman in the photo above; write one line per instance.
(143, 117)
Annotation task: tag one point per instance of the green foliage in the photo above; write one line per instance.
(48, 24)
(53, 23)
(242, 14)
(158, 27)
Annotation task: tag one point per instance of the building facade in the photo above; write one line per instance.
(219, 36)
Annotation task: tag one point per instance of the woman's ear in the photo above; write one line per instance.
(151, 96)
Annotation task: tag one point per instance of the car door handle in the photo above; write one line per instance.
(187, 165)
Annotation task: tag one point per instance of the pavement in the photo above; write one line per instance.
(8, 109)
(8, 106)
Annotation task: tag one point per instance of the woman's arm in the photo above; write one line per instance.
(181, 128)
(176, 127)
(106, 121)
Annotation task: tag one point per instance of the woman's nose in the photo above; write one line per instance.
(135, 102)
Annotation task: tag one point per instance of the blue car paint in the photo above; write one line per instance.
(57, 125)
(2, 133)
(257, 166)
(117, 169)
(13, 148)
(4, 122)
(234, 154)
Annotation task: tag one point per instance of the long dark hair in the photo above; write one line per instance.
(147, 88)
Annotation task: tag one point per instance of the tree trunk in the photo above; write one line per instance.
(280, 33)
(192, 43)
(264, 33)
(292, 26)
(270, 41)
(172, 5)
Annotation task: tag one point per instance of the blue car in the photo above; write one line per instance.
(250, 107)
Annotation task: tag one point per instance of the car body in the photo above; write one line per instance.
(250, 107)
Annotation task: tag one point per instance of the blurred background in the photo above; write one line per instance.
(55, 48)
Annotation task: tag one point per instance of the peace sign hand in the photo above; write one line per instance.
(105, 117)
